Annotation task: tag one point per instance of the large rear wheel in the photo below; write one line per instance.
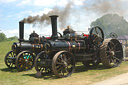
(111, 53)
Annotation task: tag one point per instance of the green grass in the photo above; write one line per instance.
(81, 76)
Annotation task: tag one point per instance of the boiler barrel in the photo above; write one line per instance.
(72, 46)
(18, 47)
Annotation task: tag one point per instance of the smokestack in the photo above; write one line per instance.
(21, 31)
(54, 26)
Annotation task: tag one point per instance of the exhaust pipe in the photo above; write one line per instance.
(21, 31)
(54, 26)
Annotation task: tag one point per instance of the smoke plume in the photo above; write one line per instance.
(45, 20)
(99, 7)
(106, 6)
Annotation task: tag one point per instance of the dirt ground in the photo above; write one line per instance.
(118, 80)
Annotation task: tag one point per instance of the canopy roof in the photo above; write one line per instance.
(124, 37)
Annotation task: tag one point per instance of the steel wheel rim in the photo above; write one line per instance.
(63, 64)
(113, 53)
(38, 67)
(25, 61)
(9, 64)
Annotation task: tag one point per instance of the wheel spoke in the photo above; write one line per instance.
(60, 68)
(111, 60)
(109, 48)
(114, 46)
(61, 57)
(11, 64)
(69, 59)
(111, 44)
(108, 56)
(64, 57)
(116, 58)
(59, 63)
(11, 54)
(66, 70)
(117, 51)
(95, 39)
(30, 63)
(96, 31)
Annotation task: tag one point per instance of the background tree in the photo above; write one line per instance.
(112, 23)
(12, 38)
(2, 37)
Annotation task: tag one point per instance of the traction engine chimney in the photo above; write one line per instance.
(54, 26)
(21, 31)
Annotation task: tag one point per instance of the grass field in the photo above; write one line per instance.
(81, 76)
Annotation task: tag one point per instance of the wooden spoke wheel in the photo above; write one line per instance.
(10, 59)
(96, 36)
(63, 64)
(111, 53)
(40, 64)
(25, 60)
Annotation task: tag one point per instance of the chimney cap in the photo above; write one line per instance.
(53, 16)
(21, 22)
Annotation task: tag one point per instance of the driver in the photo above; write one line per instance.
(34, 34)
(34, 37)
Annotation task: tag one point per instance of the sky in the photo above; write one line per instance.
(78, 14)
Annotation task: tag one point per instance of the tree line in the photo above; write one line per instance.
(4, 38)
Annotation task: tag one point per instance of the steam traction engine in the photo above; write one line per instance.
(61, 52)
(23, 52)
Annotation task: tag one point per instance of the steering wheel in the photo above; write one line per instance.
(60, 35)
(96, 36)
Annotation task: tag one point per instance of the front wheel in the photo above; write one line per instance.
(40, 63)
(63, 64)
(25, 60)
(10, 59)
